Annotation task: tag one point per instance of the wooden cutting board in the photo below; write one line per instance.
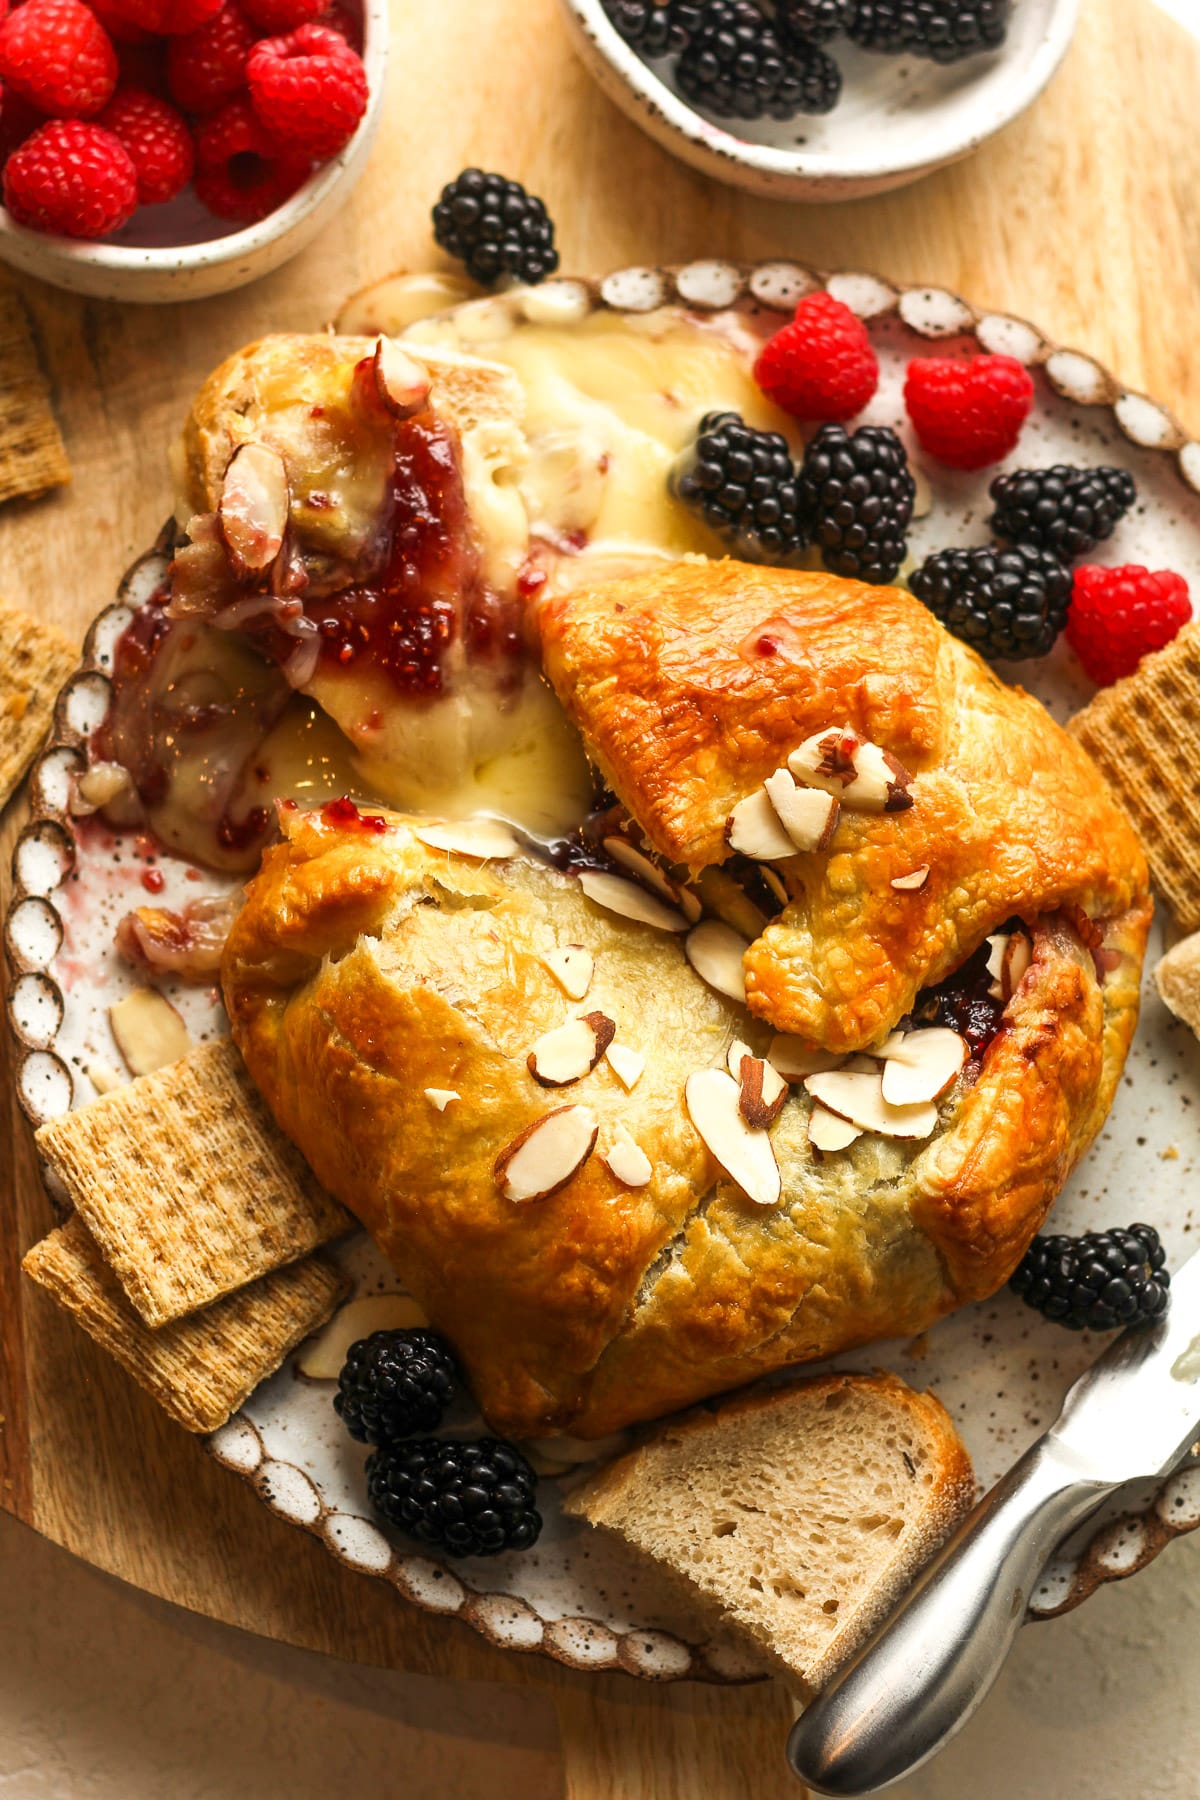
(1084, 216)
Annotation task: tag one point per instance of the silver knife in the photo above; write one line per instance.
(1134, 1413)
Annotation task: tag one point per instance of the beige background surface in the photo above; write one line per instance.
(108, 1695)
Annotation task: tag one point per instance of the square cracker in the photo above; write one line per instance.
(1144, 734)
(200, 1370)
(32, 458)
(35, 660)
(187, 1184)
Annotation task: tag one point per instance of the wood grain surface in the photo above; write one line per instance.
(1084, 217)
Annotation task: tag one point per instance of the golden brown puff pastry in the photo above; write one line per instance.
(691, 687)
(365, 969)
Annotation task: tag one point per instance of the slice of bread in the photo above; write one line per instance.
(798, 1515)
(1177, 977)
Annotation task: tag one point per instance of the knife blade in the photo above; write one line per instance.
(1134, 1413)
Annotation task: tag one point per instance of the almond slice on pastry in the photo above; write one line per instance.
(544, 1157)
(745, 1154)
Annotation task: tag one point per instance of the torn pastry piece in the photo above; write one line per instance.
(1177, 978)
(1143, 734)
(199, 1369)
(694, 688)
(186, 1184)
(35, 660)
(366, 969)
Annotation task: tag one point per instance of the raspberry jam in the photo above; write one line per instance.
(963, 1002)
(404, 618)
(345, 814)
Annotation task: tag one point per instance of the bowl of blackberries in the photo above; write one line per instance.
(822, 99)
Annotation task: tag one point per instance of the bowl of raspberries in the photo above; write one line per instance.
(822, 99)
(161, 150)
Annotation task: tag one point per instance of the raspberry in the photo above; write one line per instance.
(157, 139)
(1118, 616)
(241, 172)
(309, 89)
(339, 18)
(968, 412)
(821, 366)
(167, 18)
(120, 29)
(208, 67)
(271, 17)
(57, 54)
(72, 178)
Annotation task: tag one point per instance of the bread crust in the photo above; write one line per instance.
(611, 1498)
(690, 687)
(365, 968)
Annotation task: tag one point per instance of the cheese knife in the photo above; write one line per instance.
(1134, 1413)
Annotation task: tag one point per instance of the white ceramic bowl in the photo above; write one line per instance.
(177, 251)
(899, 117)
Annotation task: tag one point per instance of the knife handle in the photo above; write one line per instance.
(923, 1674)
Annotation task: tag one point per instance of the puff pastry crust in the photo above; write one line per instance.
(691, 687)
(365, 968)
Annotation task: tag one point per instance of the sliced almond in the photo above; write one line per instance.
(149, 1032)
(763, 1092)
(626, 1064)
(744, 1153)
(889, 1046)
(629, 901)
(754, 828)
(253, 508)
(98, 786)
(483, 838)
(827, 1132)
(808, 815)
(545, 1156)
(571, 1050)
(923, 1065)
(1017, 958)
(735, 1056)
(716, 952)
(104, 1077)
(908, 884)
(1010, 956)
(857, 1096)
(323, 1355)
(402, 383)
(572, 967)
(639, 864)
(689, 905)
(794, 1058)
(441, 1097)
(857, 772)
(628, 1161)
(775, 884)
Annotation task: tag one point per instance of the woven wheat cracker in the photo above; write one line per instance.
(199, 1370)
(32, 458)
(35, 660)
(187, 1185)
(1144, 734)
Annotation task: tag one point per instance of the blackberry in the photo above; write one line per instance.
(495, 228)
(471, 1498)
(656, 28)
(943, 30)
(736, 67)
(1005, 602)
(815, 20)
(1067, 511)
(858, 494)
(743, 484)
(1099, 1281)
(395, 1383)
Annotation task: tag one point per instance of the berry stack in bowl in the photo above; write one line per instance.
(166, 149)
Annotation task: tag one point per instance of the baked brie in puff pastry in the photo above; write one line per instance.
(626, 1159)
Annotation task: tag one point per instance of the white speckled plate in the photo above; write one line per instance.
(999, 1368)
